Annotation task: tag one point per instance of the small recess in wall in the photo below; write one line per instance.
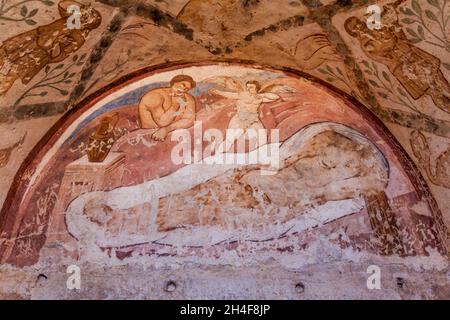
(300, 287)
(170, 286)
(42, 277)
(400, 282)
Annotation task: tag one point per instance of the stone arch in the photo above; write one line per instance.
(26, 230)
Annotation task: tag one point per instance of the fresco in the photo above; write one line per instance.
(5, 154)
(109, 180)
(24, 55)
(418, 71)
(77, 132)
(438, 172)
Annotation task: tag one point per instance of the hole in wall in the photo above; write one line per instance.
(400, 282)
(299, 287)
(171, 286)
(42, 277)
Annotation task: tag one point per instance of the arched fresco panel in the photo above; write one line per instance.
(108, 181)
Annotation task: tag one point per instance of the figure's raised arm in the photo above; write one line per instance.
(270, 97)
(272, 88)
(226, 82)
(225, 94)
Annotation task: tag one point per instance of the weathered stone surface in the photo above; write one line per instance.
(219, 238)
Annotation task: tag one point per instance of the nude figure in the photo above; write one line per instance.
(168, 109)
(248, 102)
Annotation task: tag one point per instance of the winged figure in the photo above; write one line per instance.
(249, 97)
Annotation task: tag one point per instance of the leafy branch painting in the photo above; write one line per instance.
(111, 73)
(423, 17)
(19, 11)
(53, 78)
(385, 87)
(337, 75)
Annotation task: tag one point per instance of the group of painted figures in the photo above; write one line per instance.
(23, 56)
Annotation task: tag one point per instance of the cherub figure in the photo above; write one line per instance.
(249, 98)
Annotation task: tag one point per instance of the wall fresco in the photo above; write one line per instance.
(365, 190)
(110, 180)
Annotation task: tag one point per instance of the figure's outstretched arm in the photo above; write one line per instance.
(270, 97)
(225, 94)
